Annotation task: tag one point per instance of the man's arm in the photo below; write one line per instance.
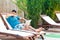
(22, 19)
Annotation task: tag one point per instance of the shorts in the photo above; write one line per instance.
(19, 27)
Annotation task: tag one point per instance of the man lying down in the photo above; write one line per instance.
(15, 21)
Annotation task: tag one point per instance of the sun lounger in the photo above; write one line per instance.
(49, 20)
(17, 34)
(9, 27)
(58, 16)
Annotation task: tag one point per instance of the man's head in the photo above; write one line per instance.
(13, 11)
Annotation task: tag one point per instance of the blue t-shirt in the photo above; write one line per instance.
(13, 21)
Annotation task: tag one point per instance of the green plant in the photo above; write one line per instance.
(21, 4)
(34, 8)
(49, 7)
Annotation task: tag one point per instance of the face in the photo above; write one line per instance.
(13, 13)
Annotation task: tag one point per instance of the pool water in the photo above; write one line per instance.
(53, 35)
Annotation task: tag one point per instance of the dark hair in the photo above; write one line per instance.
(14, 11)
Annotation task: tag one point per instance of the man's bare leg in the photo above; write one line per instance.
(39, 29)
(36, 30)
(33, 29)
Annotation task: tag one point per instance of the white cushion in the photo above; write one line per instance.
(24, 34)
(48, 19)
(6, 21)
(2, 26)
(58, 16)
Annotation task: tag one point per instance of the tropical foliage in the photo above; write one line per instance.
(21, 4)
(34, 10)
(36, 7)
(50, 6)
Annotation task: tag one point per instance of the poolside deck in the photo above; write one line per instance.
(57, 30)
